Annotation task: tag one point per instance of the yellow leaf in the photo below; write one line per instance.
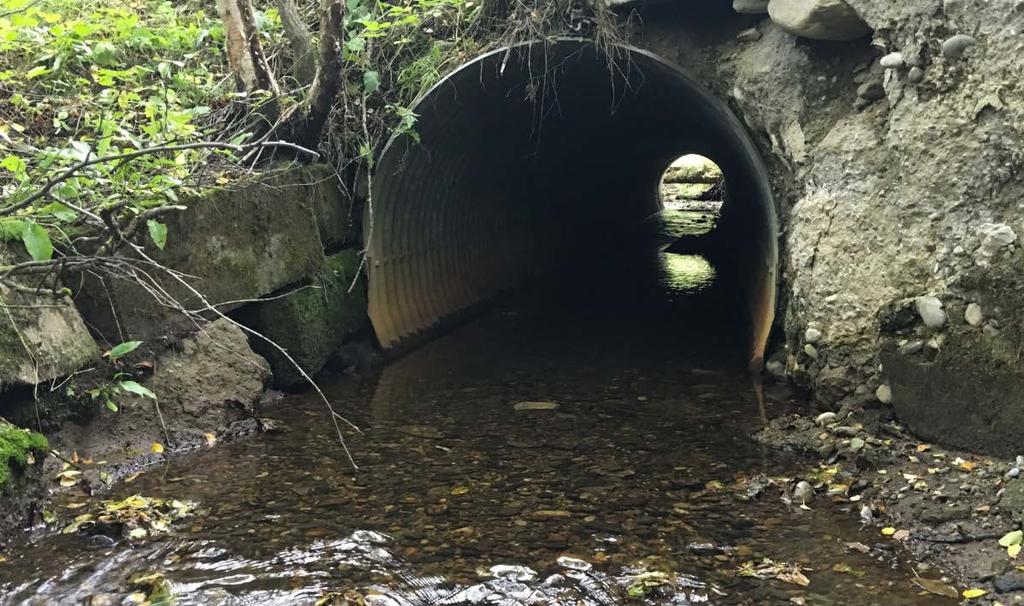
(210, 438)
(888, 531)
(1013, 550)
(156, 448)
(970, 594)
(923, 447)
(460, 490)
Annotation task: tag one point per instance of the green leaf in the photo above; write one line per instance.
(164, 69)
(122, 349)
(59, 211)
(110, 405)
(158, 233)
(371, 81)
(14, 164)
(104, 54)
(36, 71)
(11, 229)
(135, 388)
(37, 242)
(1011, 538)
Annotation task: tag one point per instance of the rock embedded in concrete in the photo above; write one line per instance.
(955, 46)
(930, 310)
(811, 351)
(995, 238)
(751, 34)
(973, 314)
(812, 335)
(312, 322)
(750, 7)
(915, 75)
(892, 61)
(872, 90)
(818, 19)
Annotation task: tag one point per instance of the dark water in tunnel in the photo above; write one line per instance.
(642, 485)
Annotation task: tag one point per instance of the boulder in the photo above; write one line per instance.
(750, 7)
(311, 322)
(818, 19)
(41, 337)
(209, 381)
(231, 245)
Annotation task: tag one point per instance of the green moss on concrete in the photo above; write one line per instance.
(313, 322)
(15, 446)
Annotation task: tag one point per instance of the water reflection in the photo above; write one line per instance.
(685, 274)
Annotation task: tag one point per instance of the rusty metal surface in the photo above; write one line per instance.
(516, 145)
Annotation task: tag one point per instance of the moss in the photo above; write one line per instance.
(15, 446)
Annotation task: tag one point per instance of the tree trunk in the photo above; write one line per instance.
(329, 71)
(236, 45)
(303, 53)
(261, 68)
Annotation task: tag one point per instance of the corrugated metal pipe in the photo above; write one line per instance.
(529, 151)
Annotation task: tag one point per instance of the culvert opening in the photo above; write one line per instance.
(531, 153)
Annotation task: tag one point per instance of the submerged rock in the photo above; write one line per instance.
(818, 19)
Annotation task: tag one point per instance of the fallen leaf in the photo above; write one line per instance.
(845, 568)
(156, 448)
(970, 594)
(936, 587)
(923, 447)
(1011, 538)
(888, 531)
(1013, 550)
(535, 406)
(210, 438)
(460, 490)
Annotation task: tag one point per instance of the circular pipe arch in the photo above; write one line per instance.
(528, 153)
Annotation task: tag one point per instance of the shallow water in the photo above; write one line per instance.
(629, 478)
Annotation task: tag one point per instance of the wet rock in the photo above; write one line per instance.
(1011, 581)
(930, 311)
(911, 347)
(892, 61)
(973, 315)
(884, 394)
(955, 46)
(812, 335)
(826, 418)
(803, 493)
(818, 19)
(750, 7)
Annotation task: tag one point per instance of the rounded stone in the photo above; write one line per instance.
(884, 394)
(1013, 473)
(812, 335)
(818, 19)
(915, 75)
(930, 310)
(811, 351)
(892, 61)
(973, 315)
(956, 46)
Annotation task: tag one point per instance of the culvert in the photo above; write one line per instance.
(530, 153)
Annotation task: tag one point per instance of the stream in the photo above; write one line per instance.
(586, 444)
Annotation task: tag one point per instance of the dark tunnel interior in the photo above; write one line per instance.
(530, 154)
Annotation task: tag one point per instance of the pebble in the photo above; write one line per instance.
(892, 61)
(803, 493)
(884, 394)
(811, 351)
(915, 75)
(825, 418)
(954, 47)
(1011, 581)
(1013, 473)
(1020, 461)
(990, 331)
(973, 315)
(844, 431)
(856, 444)
(930, 310)
(912, 347)
(812, 335)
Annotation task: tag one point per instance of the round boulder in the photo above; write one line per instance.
(818, 19)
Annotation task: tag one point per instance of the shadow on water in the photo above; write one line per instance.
(584, 444)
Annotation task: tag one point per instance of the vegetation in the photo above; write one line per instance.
(16, 449)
